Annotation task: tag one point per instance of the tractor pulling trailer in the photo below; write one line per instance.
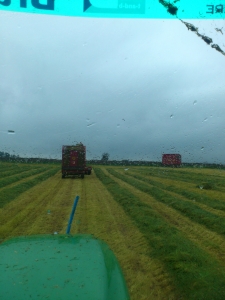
(74, 161)
(173, 160)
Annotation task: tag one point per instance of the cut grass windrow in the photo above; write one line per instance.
(196, 178)
(17, 170)
(4, 167)
(213, 203)
(195, 274)
(9, 194)
(209, 220)
(11, 179)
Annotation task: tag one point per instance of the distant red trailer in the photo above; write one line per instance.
(171, 160)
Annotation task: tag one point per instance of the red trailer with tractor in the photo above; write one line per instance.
(74, 160)
(173, 160)
(88, 170)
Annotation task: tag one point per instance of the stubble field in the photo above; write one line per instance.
(166, 226)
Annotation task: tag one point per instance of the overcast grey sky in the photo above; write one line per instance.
(133, 88)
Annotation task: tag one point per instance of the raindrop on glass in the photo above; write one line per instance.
(202, 148)
(11, 132)
(171, 116)
(195, 102)
(92, 124)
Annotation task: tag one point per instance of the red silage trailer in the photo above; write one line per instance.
(173, 160)
(74, 160)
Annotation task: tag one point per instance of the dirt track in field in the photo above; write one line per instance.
(45, 209)
(100, 215)
(41, 209)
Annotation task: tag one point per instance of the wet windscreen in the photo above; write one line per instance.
(144, 94)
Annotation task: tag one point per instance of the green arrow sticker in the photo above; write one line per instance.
(183, 9)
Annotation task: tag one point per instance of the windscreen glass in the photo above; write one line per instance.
(137, 104)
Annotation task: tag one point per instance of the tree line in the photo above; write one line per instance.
(7, 157)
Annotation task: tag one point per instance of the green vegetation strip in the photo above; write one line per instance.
(9, 168)
(9, 194)
(195, 274)
(4, 167)
(215, 181)
(188, 176)
(187, 208)
(213, 203)
(9, 180)
(17, 170)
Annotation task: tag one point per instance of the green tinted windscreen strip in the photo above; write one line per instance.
(162, 9)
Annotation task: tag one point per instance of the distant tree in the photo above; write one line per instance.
(125, 162)
(4, 156)
(105, 157)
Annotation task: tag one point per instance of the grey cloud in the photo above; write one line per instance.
(64, 80)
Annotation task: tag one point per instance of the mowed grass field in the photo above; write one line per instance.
(166, 226)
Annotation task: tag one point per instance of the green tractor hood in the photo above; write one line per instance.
(60, 267)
